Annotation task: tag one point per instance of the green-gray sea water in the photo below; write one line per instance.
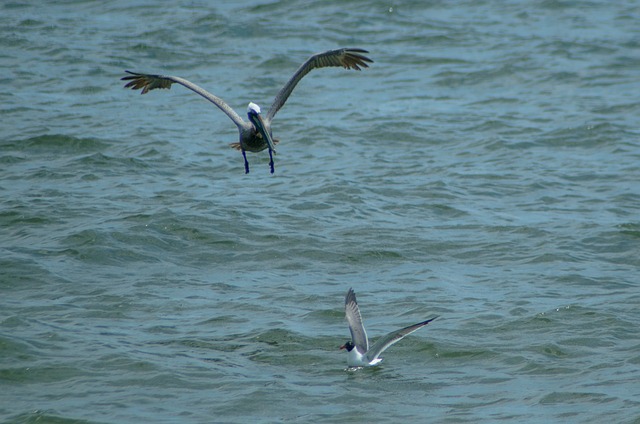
(486, 169)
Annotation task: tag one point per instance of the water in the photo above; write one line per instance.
(484, 169)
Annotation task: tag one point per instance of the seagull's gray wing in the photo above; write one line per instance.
(347, 58)
(383, 343)
(358, 334)
(150, 82)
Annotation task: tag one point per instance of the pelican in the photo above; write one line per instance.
(255, 135)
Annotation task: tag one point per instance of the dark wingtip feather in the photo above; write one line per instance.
(133, 75)
(354, 60)
(356, 49)
(146, 82)
(350, 297)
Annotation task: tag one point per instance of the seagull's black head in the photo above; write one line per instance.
(348, 345)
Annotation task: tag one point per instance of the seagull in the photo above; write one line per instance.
(255, 135)
(360, 354)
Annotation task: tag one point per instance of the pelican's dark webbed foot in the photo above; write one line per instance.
(246, 163)
(271, 165)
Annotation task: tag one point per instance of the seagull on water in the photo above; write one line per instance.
(360, 354)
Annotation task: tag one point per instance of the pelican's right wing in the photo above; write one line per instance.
(148, 82)
(346, 58)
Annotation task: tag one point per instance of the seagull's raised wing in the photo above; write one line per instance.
(383, 343)
(358, 334)
(346, 58)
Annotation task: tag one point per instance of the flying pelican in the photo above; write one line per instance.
(255, 135)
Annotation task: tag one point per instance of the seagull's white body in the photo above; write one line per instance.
(360, 354)
(357, 359)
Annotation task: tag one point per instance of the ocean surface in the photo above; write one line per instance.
(485, 169)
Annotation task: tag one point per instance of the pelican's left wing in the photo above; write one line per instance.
(346, 58)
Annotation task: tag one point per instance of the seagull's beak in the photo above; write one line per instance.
(344, 346)
(262, 128)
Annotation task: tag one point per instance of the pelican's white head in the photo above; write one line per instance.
(253, 108)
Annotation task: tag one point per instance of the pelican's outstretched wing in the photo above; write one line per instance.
(358, 333)
(347, 58)
(383, 343)
(150, 82)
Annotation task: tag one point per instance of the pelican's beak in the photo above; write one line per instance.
(260, 126)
